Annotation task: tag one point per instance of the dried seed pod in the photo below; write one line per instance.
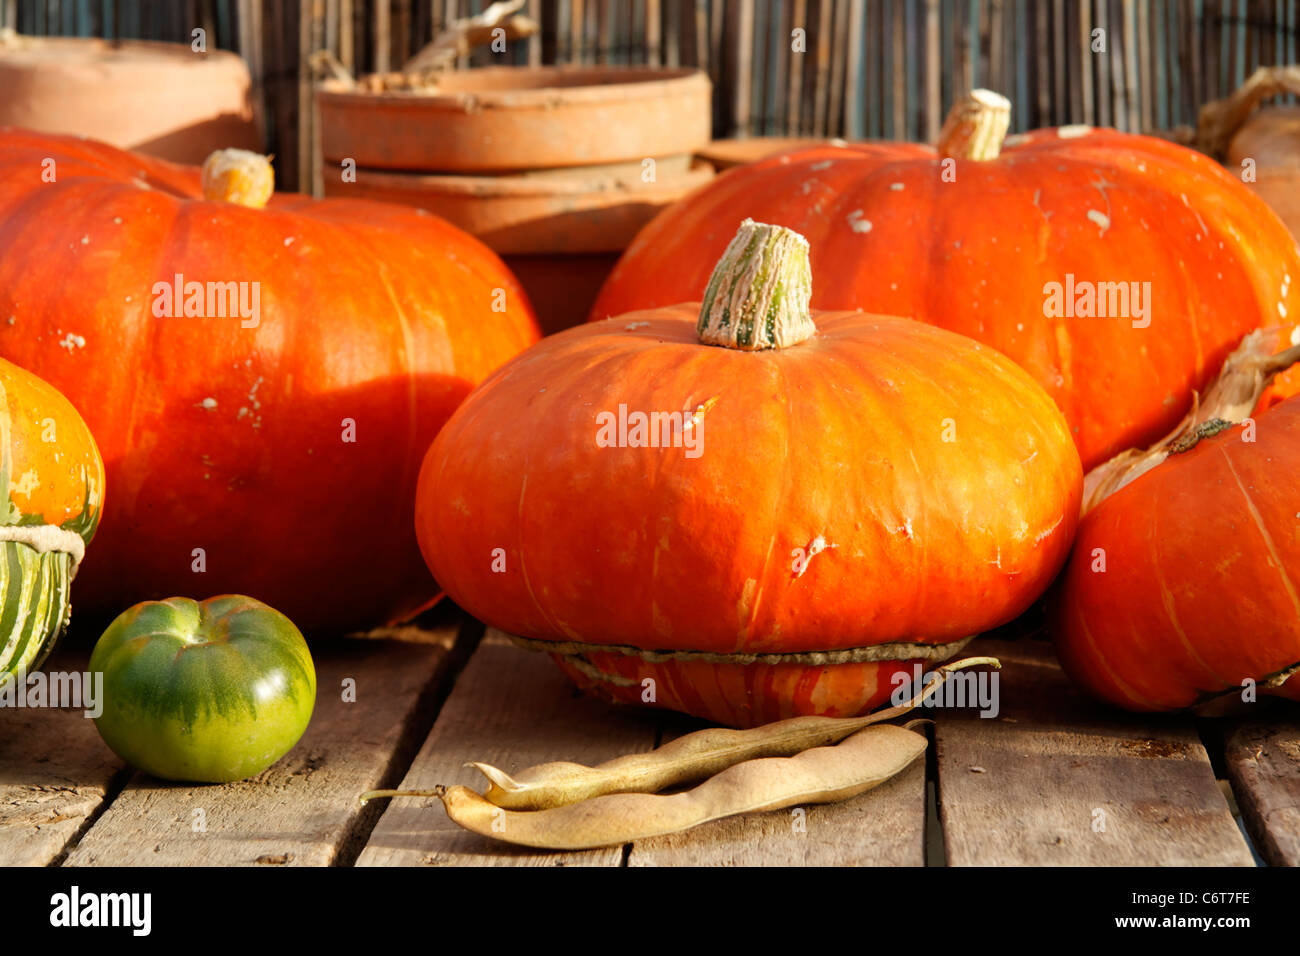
(690, 758)
(819, 775)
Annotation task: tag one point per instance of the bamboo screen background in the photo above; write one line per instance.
(871, 68)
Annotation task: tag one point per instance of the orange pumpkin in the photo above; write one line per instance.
(1184, 575)
(759, 519)
(55, 490)
(986, 237)
(272, 453)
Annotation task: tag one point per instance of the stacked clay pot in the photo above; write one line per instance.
(554, 168)
(161, 99)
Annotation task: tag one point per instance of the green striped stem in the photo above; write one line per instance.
(758, 296)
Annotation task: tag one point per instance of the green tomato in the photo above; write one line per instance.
(206, 691)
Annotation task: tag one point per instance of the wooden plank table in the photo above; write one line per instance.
(1051, 779)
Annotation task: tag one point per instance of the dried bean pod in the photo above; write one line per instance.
(690, 758)
(819, 775)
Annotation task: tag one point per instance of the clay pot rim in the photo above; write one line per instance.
(633, 83)
(521, 187)
(166, 50)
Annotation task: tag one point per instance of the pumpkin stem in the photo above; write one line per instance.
(1230, 399)
(758, 295)
(976, 126)
(238, 176)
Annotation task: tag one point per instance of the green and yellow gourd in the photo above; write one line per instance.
(53, 477)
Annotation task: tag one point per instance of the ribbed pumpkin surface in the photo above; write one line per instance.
(929, 483)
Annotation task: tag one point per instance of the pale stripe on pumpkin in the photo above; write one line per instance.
(34, 604)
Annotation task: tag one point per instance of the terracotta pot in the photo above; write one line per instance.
(585, 210)
(162, 99)
(723, 154)
(511, 118)
(562, 288)
(1271, 138)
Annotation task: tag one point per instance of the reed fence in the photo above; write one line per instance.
(851, 68)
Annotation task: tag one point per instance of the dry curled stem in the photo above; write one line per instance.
(325, 65)
(462, 36)
(421, 72)
(1229, 400)
(1219, 121)
(690, 758)
(820, 775)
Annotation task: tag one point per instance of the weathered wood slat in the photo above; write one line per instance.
(1062, 100)
(783, 68)
(900, 70)
(1037, 784)
(383, 37)
(740, 47)
(965, 69)
(882, 827)
(933, 70)
(304, 810)
(55, 774)
(1148, 93)
(511, 708)
(1041, 65)
(839, 55)
(798, 61)
(1263, 763)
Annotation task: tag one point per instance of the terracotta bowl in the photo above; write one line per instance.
(510, 118)
(162, 99)
(583, 211)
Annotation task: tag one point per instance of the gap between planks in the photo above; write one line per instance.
(56, 775)
(1057, 780)
(1263, 765)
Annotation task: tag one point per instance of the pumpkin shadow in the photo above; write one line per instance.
(192, 144)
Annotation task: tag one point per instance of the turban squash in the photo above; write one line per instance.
(825, 510)
(273, 455)
(984, 237)
(1184, 581)
(54, 482)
